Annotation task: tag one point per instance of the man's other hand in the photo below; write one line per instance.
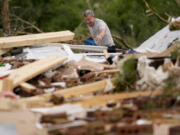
(98, 38)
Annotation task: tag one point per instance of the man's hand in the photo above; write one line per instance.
(8, 94)
(98, 38)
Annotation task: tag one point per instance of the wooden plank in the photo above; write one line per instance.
(87, 48)
(27, 87)
(101, 54)
(109, 71)
(102, 100)
(41, 38)
(68, 93)
(83, 89)
(137, 55)
(31, 70)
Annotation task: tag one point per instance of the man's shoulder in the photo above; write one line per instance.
(99, 20)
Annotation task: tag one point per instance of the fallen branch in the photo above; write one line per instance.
(122, 40)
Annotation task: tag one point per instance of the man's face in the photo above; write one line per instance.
(90, 20)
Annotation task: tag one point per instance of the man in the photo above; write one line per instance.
(99, 31)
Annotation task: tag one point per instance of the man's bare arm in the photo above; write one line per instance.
(101, 35)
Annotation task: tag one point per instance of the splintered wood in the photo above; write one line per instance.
(27, 87)
(17, 41)
(29, 71)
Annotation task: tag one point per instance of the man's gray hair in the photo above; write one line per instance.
(88, 13)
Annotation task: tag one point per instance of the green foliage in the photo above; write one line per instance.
(120, 83)
(50, 15)
(128, 77)
(175, 54)
(149, 105)
(170, 84)
(170, 89)
(2, 65)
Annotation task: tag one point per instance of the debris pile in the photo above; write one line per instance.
(87, 93)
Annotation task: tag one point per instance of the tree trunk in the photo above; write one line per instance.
(5, 18)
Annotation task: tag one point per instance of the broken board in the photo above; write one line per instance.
(31, 70)
(29, 88)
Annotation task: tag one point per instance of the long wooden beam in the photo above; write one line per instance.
(41, 38)
(102, 100)
(31, 70)
(68, 93)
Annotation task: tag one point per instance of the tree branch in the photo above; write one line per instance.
(122, 40)
(5, 17)
(150, 12)
(89, 4)
(26, 22)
